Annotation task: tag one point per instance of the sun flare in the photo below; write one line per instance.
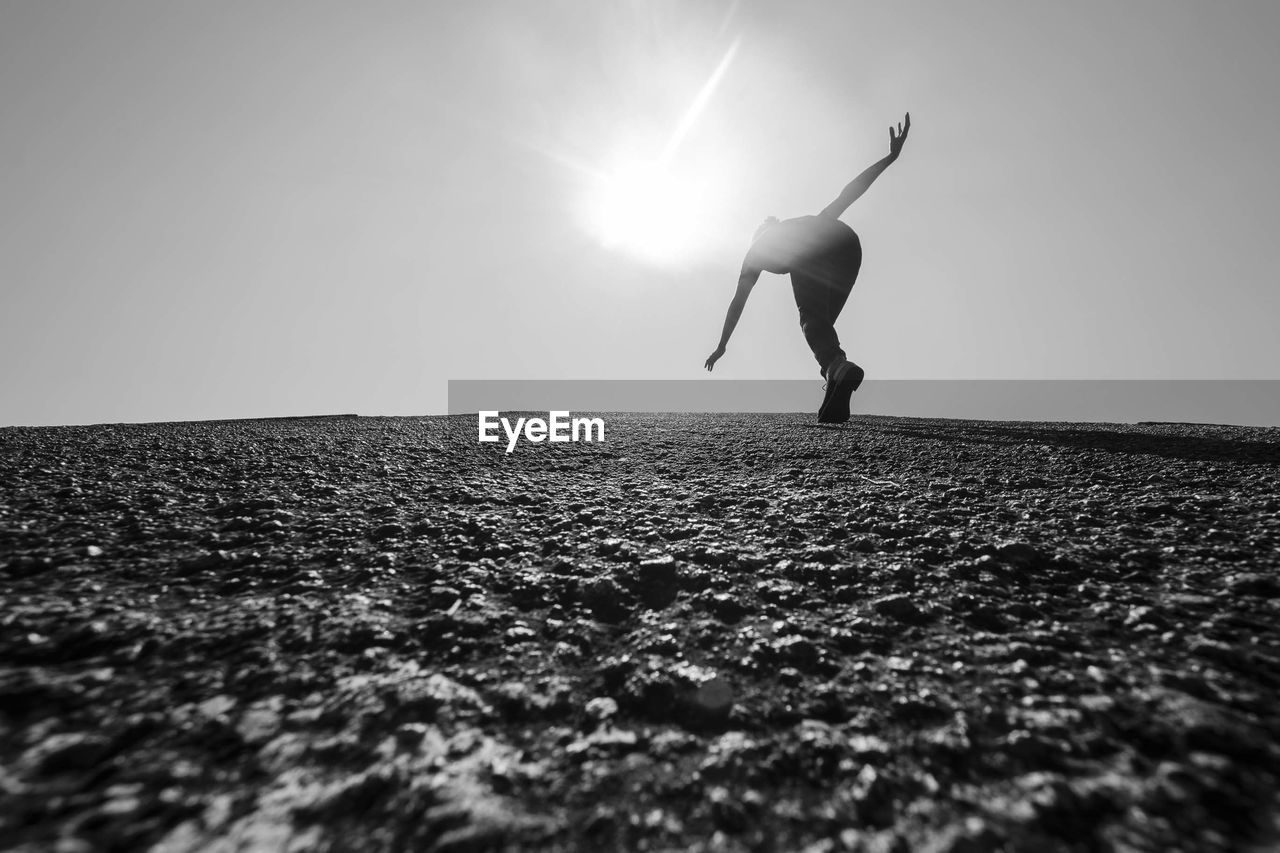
(664, 209)
(646, 210)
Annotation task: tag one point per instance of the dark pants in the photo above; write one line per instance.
(821, 286)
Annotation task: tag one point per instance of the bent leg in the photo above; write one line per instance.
(821, 293)
(816, 302)
(844, 275)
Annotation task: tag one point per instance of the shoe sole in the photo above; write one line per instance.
(835, 405)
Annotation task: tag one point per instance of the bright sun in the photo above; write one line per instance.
(661, 210)
(648, 211)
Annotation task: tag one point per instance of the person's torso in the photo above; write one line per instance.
(792, 243)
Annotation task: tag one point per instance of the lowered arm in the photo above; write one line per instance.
(746, 281)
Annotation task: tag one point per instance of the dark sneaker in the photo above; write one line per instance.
(843, 380)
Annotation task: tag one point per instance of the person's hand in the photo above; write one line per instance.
(895, 142)
(714, 357)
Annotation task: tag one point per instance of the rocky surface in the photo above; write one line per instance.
(711, 632)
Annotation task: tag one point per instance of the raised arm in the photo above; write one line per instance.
(860, 184)
(747, 279)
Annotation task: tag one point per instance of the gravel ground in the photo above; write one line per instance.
(711, 632)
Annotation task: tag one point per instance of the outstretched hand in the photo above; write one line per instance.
(895, 142)
(713, 358)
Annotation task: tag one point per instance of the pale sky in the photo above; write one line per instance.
(239, 209)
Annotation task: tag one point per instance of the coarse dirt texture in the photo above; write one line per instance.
(709, 632)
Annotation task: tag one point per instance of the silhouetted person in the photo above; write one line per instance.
(823, 256)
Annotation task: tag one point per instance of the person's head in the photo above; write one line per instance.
(768, 223)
